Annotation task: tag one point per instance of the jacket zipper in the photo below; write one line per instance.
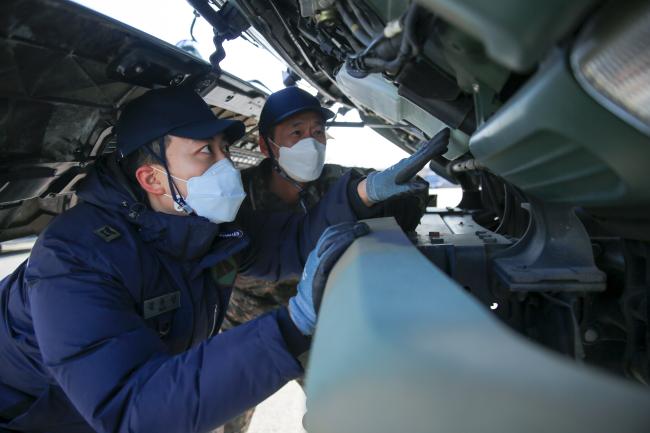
(214, 320)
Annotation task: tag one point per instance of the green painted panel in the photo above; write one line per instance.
(515, 33)
(400, 347)
(556, 142)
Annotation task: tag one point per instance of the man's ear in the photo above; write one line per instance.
(264, 146)
(150, 180)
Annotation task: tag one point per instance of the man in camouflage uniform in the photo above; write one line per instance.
(289, 117)
(251, 297)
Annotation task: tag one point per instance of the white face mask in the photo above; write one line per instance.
(304, 161)
(216, 194)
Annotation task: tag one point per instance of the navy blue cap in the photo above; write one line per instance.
(285, 103)
(173, 110)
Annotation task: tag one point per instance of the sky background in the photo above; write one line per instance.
(170, 20)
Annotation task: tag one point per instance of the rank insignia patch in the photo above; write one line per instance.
(107, 233)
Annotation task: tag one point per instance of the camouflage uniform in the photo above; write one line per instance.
(252, 297)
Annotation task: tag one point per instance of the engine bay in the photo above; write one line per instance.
(552, 231)
(549, 143)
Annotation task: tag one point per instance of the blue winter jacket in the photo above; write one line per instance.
(110, 325)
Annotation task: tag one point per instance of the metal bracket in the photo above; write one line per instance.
(555, 254)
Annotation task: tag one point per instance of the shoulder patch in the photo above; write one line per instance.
(161, 304)
(225, 272)
(107, 233)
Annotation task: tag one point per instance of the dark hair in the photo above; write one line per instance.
(141, 157)
(270, 134)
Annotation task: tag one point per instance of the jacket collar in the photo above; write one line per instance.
(183, 238)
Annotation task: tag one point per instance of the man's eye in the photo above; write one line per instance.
(206, 149)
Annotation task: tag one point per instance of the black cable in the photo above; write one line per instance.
(487, 184)
(196, 15)
(376, 40)
(356, 30)
(212, 16)
(367, 26)
(507, 205)
(403, 54)
(371, 15)
(362, 63)
(345, 33)
(410, 27)
(408, 45)
(304, 32)
(219, 53)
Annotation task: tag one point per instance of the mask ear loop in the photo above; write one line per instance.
(276, 166)
(176, 196)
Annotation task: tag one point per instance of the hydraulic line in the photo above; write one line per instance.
(367, 26)
(293, 37)
(368, 61)
(356, 30)
(347, 35)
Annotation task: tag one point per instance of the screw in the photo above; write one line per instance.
(591, 335)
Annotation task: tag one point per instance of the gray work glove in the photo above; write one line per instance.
(400, 178)
(304, 306)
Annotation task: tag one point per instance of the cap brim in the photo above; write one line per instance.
(205, 129)
(327, 114)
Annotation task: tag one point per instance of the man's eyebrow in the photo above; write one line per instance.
(297, 123)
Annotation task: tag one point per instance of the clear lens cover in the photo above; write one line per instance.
(612, 63)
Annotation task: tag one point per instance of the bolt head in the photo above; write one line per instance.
(591, 335)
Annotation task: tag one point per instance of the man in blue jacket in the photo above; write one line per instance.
(110, 326)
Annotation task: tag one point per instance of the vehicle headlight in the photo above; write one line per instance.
(611, 60)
